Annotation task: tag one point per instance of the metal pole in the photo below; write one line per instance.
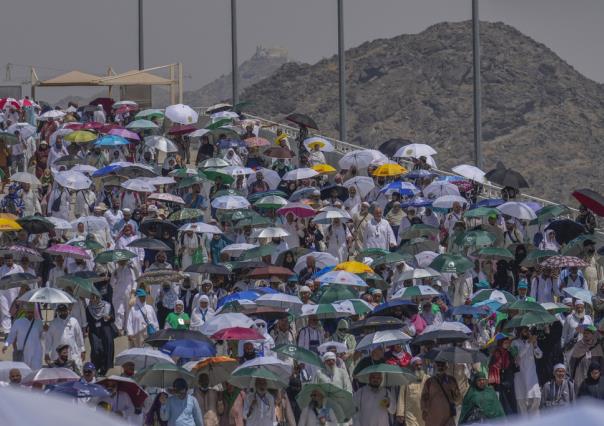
(342, 70)
(141, 49)
(477, 101)
(234, 67)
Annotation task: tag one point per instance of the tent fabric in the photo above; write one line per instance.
(72, 78)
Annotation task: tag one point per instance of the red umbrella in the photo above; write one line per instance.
(237, 333)
(256, 142)
(92, 125)
(26, 103)
(11, 102)
(67, 250)
(109, 127)
(269, 271)
(590, 199)
(48, 376)
(124, 384)
(74, 126)
(181, 129)
(125, 133)
(564, 262)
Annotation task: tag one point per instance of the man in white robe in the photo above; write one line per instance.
(544, 287)
(27, 332)
(526, 382)
(378, 233)
(56, 272)
(201, 313)
(84, 202)
(338, 239)
(123, 281)
(64, 329)
(333, 374)
(31, 202)
(375, 404)
(120, 402)
(259, 406)
(140, 317)
(7, 297)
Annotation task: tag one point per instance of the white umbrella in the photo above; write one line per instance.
(518, 210)
(227, 320)
(328, 310)
(25, 177)
(269, 176)
(324, 144)
(118, 104)
(182, 114)
(361, 158)
(340, 347)
(161, 143)
(322, 260)
(415, 291)
(280, 300)
(189, 171)
(223, 114)
(25, 129)
(298, 174)
(142, 357)
(92, 223)
(238, 170)
(58, 132)
(73, 180)
(470, 172)
(271, 232)
(448, 325)
(447, 201)
(138, 185)
(84, 168)
(200, 228)
(326, 216)
(270, 362)
(47, 295)
(235, 250)
(414, 150)
(418, 273)
(160, 180)
(383, 338)
(363, 184)
(199, 133)
(440, 188)
(425, 258)
(230, 202)
(7, 366)
(53, 113)
(60, 224)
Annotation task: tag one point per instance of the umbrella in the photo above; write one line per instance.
(593, 200)
(47, 295)
(149, 114)
(182, 114)
(17, 279)
(67, 250)
(341, 277)
(579, 293)
(327, 310)
(79, 389)
(159, 338)
(354, 267)
(481, 212)
(447, 201)
(166, 197)
(335, 398)
(322, 259)
(494, 253)
(418, 274)
(391, 146)
(333, 346)
(278, 152)
(238, 333)
(271, 232)
(297, 209)
(506, 177)
(109, 256)
(25, 177)
(415, 291)
(375, 323)
(150, 244)
(270, 271)
(227, 320)
(561, 262)
(81, 287)
(440, 337)
(245, 378)
(185, 215)
(187, 348)
(230, 202)
(420, 230)
(363, 184)
(218, 368)
(162, 375)
(392, 375)
(7, 366)
(334, 293)
(299, 354)
(565, 230)
(537, 256)
(256, 142)
(326, 215)
(501, 296)
(414, 150)
(138, 185)
(518, 210)
(19, 252)
(111, 141)
(457, 355)
(418, 245)
(213, 163)
(126, 134)
(389, 169)
(48, 376)
(161, 143)
(271, 202)
(441, 188)
(547, 213)
(451, 263)
(157, 228)
(336, 191)
(141, 124)
(470, 172)
(208, 268)
(358, 306)
(200, 228)
(124, 384)
(160, 276)
(26, 130)
(318, 142)
(406, 189)
(73, 180)
(36, 224)
(302, 120)
(531, 319)
(523, 306)
(324, 169)
(382, 338)
(270, 363)
(475, 238)
(53, 113)
(299, 174)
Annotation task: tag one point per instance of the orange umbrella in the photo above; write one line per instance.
(218, 368)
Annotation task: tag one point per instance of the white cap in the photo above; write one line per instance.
(152, 208)
(126, 210)
(204, 298)
(559, 366)
(579, 303)
(567, 301)
(327, 356)
(304, 289)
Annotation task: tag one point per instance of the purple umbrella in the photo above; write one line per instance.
(67, 250)
(125, 133)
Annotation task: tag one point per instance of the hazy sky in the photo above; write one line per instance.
(91, 35)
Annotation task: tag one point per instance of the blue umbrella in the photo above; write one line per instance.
(111, 168)
(231, 143)
(80, 390)
(417, 202)
(489, 202)
(111, 140)
(388, 308)
(265, 290)
(240, 295)
(451, 178)
(403, 188)
(323, 271)
(471, 310)
(187, 348)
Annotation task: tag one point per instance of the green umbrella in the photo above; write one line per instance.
(186, 214)
(522, 305)
(393, 257)
(149, 114)
(213, 174)
(257, 252)
(575, 247)
(9, 138)
(373, 252)
(374, 280)
(392, 375)
(359, 306)
(35, 224)
(191, 180)
(229, 191)
(218, 124)
(485, 294)
(271, 202)
(451, 263)
(88, 243)
(299, 354)
(481, 212)
(494, 253)
(475, 238)
(162, 375)
(547, 213)
(420, 230)
(417, 245)
(256, 221)
(252, 198)
(246, 378)
(213, 163)
(81, 286)
(141, 124)
(531, 319)
(332, 293)
(183, 172)
(114, 256)
(336, 398)
(535, 257)
(555, 308)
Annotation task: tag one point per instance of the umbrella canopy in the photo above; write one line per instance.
(414, 150)
(415, 291)
(500, 296)
(109, 256)
(342, 277)
(537, 256)
(338, 400)
(494, 253)
(161, 337)
(138, 185)
(187, 348)
(564, 262)
(579, 293)
(165, 197)
(7, 366)
(125, 384)
(278, 152)
(481, 212)
(160, 143)
(441, 188)
(79, 389)
(80, 287)
(227, 320)
(363, 184)
(150, 244)
(354, 267)
(315, 142)
(447, 201)
(49, 376)
(565, 230)
(182, 114)
(382, 338)
(186, 215)
(389, 169)
(141, 124)
(451, 263)
(238, 333)
(36, 224)
(419, 230)
(391, 146)
(300, 210)
(324, 169)
(299, 354)
(506, 177)
(392, 375)
(299, 174)
(111, 141)
(531, 319)
(518, 210)
(126, 134)
(270, 271)
(160, 276)
(25, 177)
(17, 280)
(547, 213)
(470, 172)
(162, 375)
(440, 337)
(328, 310)
(271, 202)
(47, 295)
(523, 306)
(245, 378)
(593, 200)
(322, 260)
(89, 243)
(230, 202)
(375, 323)
(326, 215)
(73, 180)
(302, 120)
(271, 232)
(457, 355)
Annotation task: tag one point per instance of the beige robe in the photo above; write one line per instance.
(208, 401)
(434, 403)
(409, 403)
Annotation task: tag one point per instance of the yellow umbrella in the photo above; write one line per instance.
(9, 225)
(353, 267)
(389, 169)
(324, 168)
(80, 136)
(279, 138)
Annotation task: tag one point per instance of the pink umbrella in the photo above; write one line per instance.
(49, 376)
(106, 128)
(125, 133)
(256, 142)
(169, 198)
(237, 333)
(74, 126)
(297, 209)
(92, 125)
(67, 250)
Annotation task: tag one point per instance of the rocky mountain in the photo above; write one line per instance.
(540, 116)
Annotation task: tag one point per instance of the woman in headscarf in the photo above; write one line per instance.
(480, 403)
(232, 158)
(586, 351)
(501, 373)
(166, 303)
(593, 385)
(153, 415)
(178, 319)
(99, 315)
(549, 241)
(201, 313)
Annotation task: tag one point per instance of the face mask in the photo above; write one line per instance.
(63, 315)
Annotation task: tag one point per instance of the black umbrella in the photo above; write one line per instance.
(161, 337)
(506, 177)
(566, 230)
(67, 161)
(302, 120)
(36, 224)
(136, 171)
(156, 228)
(373, 324)
(440, 336)
(338, 191)
(456, 355)
(88, 275)
(208, 268)
(150, 243)
(390, 147)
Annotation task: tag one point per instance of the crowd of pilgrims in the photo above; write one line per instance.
(521, 370)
